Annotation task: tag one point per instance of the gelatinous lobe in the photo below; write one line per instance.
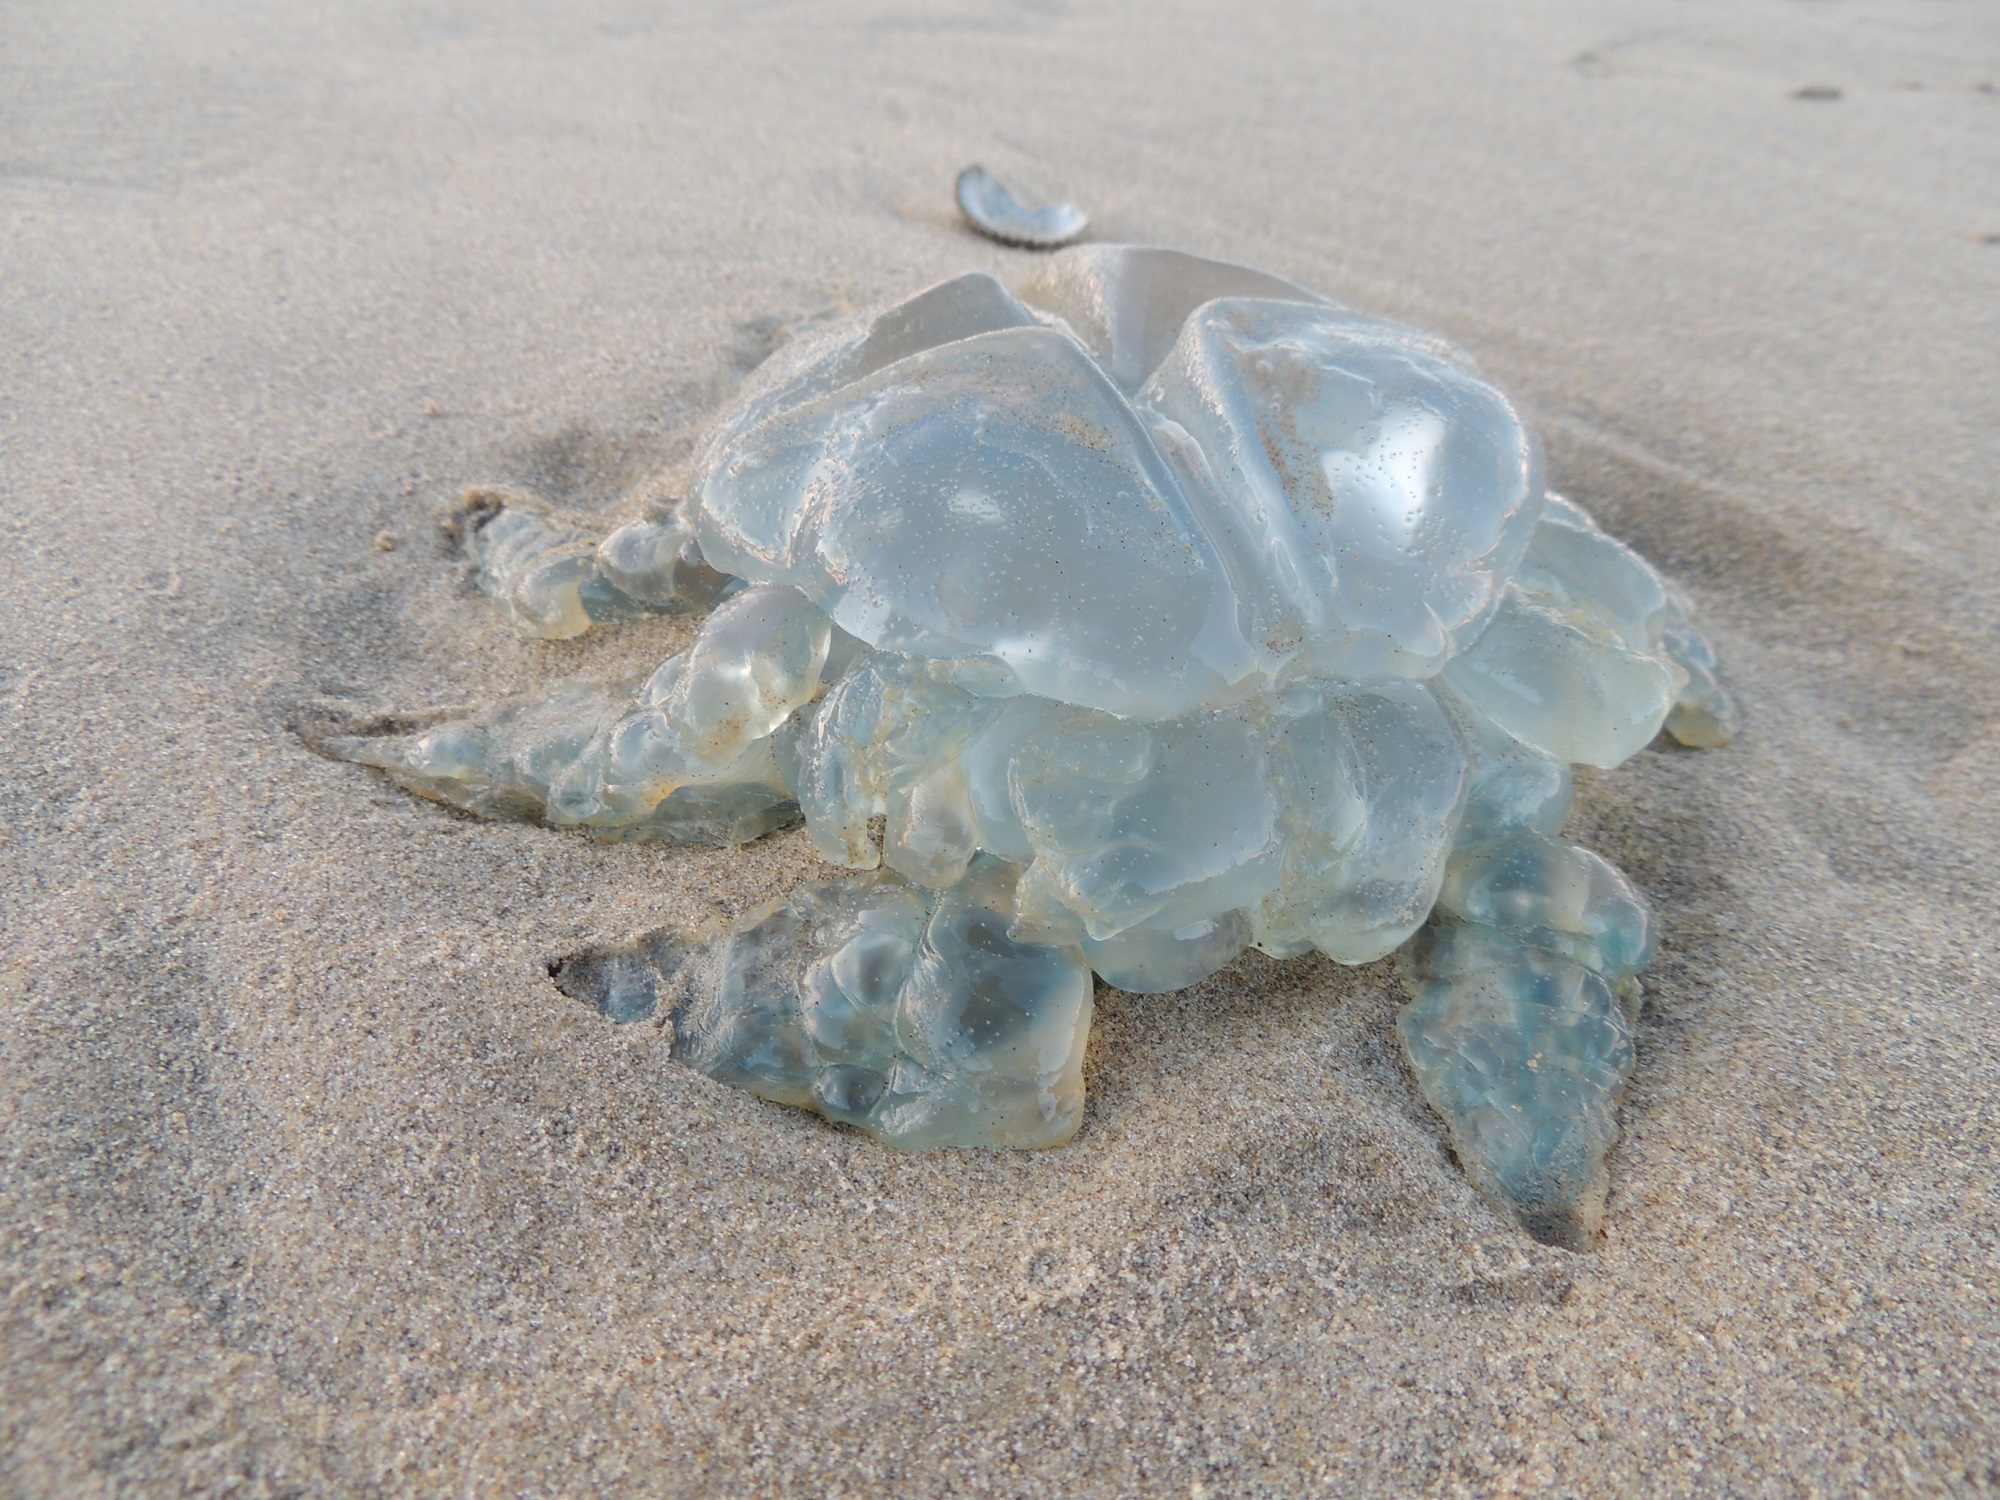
(682, 755)
(1057, 547)
(553, 581)
(1373, 781)
(1164, 610)
(910, 1014)
(1371, 496)
(1520, 1025)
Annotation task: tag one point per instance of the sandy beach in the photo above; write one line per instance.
(312, 1183)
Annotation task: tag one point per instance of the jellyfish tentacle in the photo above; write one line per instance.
(1524, 999)
(1705, 715)
(552, 579)
(680, 755)
(910, 1014)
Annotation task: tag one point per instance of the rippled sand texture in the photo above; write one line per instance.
(315, 1180)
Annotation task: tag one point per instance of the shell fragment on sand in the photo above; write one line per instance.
(996, 213)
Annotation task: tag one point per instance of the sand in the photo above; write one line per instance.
(312, 1184)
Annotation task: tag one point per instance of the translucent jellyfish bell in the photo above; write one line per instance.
(1157, 610)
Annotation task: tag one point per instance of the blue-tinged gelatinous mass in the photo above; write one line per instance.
(1154, 610)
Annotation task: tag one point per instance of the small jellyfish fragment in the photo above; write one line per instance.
(996, 213)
